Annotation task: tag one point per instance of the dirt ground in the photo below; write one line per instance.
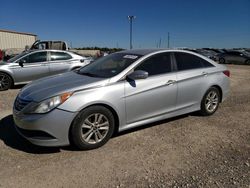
(187, 151)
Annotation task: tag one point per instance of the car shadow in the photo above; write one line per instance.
(11, 138)
(18, 86)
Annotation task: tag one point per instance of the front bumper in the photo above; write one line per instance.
(51, 129)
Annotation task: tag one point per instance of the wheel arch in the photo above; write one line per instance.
(222, 58)
(114, 113)
(74, 68)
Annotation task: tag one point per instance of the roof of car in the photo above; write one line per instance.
(40, 50)
(141, 51)
(149, 51)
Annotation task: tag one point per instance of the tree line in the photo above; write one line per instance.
(103, 49)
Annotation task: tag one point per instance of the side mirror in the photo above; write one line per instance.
(138, 74)
(21, 62)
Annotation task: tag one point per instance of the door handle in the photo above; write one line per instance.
(204, 73)
(170, 82)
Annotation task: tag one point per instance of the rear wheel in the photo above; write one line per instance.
(92, 128)
(5, 81)
(222, 60)
(247, 62)
(210, 102)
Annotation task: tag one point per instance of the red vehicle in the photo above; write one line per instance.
(1, 55)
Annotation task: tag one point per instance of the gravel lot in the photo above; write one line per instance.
(188, 151)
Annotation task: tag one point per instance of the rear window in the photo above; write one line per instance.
(56, 56)
(187, 61)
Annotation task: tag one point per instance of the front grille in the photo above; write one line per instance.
(20, 103)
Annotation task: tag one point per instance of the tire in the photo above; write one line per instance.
(222, 60)
(92, 128)
(5, 81)
(210, 102)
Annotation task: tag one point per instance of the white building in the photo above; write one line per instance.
(15, 40)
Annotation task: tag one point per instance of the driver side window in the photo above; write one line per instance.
(35, 57)
(157, 64)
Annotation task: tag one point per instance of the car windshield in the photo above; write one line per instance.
(110, 65)
(13, 59)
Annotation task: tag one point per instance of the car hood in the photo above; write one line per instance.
(54, 85)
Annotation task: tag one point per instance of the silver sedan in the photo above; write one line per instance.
(32, 65)
(118, 92)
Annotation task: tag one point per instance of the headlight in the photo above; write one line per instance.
(48, 104)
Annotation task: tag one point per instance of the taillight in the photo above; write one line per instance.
(227, 73)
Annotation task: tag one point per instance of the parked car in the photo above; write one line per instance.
(88, 59)
(31, 65)
(208, 53)
(235, 57)
(217, 51)
(117, 92)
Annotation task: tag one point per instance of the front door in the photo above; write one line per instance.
(155, 95)
(35, 66)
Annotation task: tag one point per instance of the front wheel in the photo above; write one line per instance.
(5, 81)
(222, 60)
(210, 101)
(92, 128)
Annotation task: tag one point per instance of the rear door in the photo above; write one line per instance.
(155, 95)
(59, 62)
(192, 78)
(35, 65)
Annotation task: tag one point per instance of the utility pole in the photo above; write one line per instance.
(130, 18)
(168, 39)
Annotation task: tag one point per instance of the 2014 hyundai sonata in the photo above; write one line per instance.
(119, 91)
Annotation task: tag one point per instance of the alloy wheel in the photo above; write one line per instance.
(4, 82)
(212, 101)
(95, 128)
(222, 60)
